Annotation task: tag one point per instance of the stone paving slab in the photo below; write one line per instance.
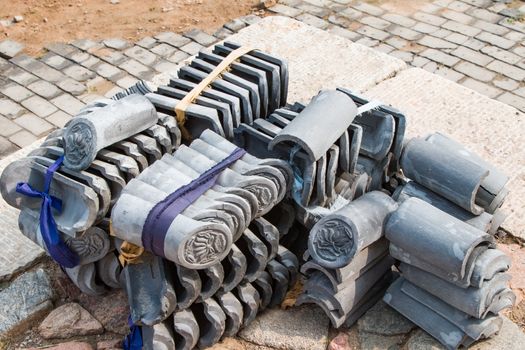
(10, 48)
(298, 328)
(18, 252)
(327, 62)
(492, 129)
(26, 299)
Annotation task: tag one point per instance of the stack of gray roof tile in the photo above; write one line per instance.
(350, 267)
(203, 290)
(358, 152)
(88, 195)
(454, 280)
(120, 161)
(254, 85)
(343, 148)
(243, 192)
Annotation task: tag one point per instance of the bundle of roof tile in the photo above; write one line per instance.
(358, 152)
(454, 281)
(335, 192)
(88, 195)
(245, 190)
(255, 85)
(349, 267)
(250, 270)
(220, 262)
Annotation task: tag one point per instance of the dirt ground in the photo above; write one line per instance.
(46, 21)
(65, 20)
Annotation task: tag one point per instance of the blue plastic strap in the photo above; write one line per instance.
(58, 250)
(133, 340)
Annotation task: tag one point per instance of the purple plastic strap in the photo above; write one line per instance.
(162, 215)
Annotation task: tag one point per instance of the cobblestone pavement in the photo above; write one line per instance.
(477, 43)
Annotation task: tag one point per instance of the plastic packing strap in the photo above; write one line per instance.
(56, 247)
(180, 108)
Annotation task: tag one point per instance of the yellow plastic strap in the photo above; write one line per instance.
(129, 252)
(180, 108)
